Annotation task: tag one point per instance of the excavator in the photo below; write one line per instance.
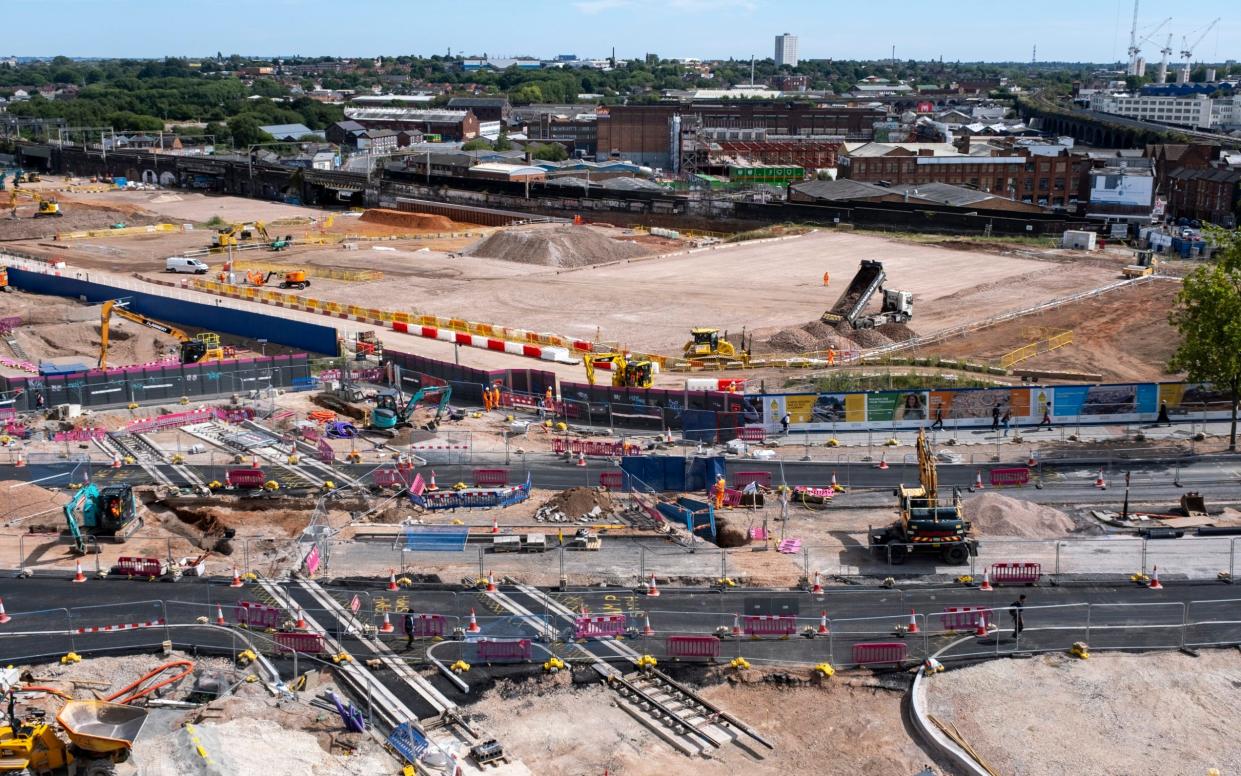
(925, 524)
(708, 345)
(294, 278)
(110, 512)
(626, 372)
(204, 347)
(231, 235)
(389, 415)
(48, 207)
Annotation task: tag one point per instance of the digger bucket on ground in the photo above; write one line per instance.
(101, 727)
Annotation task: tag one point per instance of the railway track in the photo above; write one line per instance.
(263, 447)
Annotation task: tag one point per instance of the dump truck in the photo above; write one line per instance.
(898, 306)
(926, 525)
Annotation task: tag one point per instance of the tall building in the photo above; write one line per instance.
(786, 50)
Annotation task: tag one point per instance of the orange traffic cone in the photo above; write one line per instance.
(823, 623)
(736, 625)
(581, 458)
(981, 630)
(116, 461)
(1100, 483)
(21, 460)
(301, 620)
(432, 485)
(978, 480)
(913, 621)
(495, 525)
(473, 626)
(834, 485)
(491, 583)
(387, 626)
(4, 616)
(647, 630)
(236, 579)
(392, 585)
(219, 615)
(817, 587)
(1155, 584)
(254, 461)
(883, 461)
(986, 582)
(1031, 462)
(78, 576)
(652, 589)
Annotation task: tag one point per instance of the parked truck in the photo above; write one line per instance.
(898, 306)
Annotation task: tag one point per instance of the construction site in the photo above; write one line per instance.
(390, 491)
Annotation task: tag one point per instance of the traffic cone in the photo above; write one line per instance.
(78, 576)
(432, 485)
(581, 459)
(1031, 462)
(913, 621)
(392, 585)
(491, 583)
(1100, 483)
(473, 626)
(647, 630)
(236, 579)
(883, 461)
(981, 630)
(254, 461)
(834, 485)
(21, 460)
(387, 626)
(978, 480)
(219, 615)
(823, 623)
(1155, 584)
(652, 589)
(986, 582)
(495, 526)
(301, 620)
(116, 461)
(817, 587)
(4, 616)
(736, 625)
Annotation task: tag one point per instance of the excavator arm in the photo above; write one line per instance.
(83, 494)
(116, 307)
(927, 473)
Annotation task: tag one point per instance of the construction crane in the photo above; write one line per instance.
(626, 372)
(110, 512)
(1165, 52)
(193, 349)
(1138, 65)
(1187, 50)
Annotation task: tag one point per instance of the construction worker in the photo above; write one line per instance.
(409, 629)
(1015, 611)
(550, 398)
(939, 418)
(720, 487)
(831, 357)
(486, 398)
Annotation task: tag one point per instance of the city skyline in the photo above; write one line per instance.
(723, 29)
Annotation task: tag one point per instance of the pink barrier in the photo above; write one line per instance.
(324, 451)
(10, 323)
(961, 618)
(762, 479)
(490, 478)
(1015, 477)
(752, 434)
(1015, 573)
(769, 625)
(789, 546)
(879, 652)
(244, 478)
(612, 480)
(602, 627)
(525, 401)
(757, 533)
(490, 651)
(80, 435)
(390, 478)
(305, 643)
(139, 567)
(256, 615)
(418, 486)
(732, 497)
(312, 560)
(201, 415)
(693, 646)
(427, 626)
(605, 449)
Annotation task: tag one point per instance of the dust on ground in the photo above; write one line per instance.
(1159, 713)
(558, 246)
(816, 335)
(993, 514)
(841, 729)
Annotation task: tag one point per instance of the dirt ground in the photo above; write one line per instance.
(1159, 713)
(1122, 335)
(841, 729)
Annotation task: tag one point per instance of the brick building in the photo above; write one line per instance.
(448, 124)
(1053, 180)
(645, 133)
(1212, 195)
(485, 108)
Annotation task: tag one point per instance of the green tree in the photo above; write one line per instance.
(245, 131)
(477, 144)
(1208, 317)
(549, 152)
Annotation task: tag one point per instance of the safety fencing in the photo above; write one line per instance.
(125, 231)
(80, 435)
(1033, 349)
(327, 273)
(594, 447)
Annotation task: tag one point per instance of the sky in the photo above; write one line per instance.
(1074, 30)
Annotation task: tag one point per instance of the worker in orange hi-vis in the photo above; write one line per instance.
(831, 357)
(720, 487)
(549, 397)
(486, 398)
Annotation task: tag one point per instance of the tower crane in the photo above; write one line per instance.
(1166, 51)
(1136, 43)
(1187, 51)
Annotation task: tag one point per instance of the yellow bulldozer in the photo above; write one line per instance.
(708, 345)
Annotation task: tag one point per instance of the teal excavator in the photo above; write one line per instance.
(108, 513)
(389, 415)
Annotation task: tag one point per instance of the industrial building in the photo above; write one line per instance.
(448, 124)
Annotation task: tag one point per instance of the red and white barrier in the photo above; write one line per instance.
(126, 626)
(602, 627)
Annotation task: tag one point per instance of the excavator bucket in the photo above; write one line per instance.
(101, 727)
(1193, 504)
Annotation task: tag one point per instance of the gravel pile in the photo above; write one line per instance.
(995, 515)
(557, 246)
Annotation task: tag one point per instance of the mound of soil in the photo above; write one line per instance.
(557, 246)
(576, 502)
(400, 218)
(996, 515)
(19, 500)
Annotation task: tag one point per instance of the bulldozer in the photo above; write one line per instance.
(294, 278)
(626, 372)
(708, 345)
(1144, 264)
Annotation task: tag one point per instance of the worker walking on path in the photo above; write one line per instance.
(939, 418)
(486, 398)
(409, 629)
(784, 423)
(1008, 418)
(1015, 611)
(995, 417)
(1046, 421)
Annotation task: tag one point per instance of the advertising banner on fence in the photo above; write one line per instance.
(815, 412)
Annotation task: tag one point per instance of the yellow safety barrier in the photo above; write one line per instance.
(123, 232)
(1043, 345)
(353, 275)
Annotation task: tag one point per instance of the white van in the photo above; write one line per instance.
(182, 264)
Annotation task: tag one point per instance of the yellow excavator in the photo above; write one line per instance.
(235, 235)
(626, 372)
(708, 345)
(48, 207)
(204, 347)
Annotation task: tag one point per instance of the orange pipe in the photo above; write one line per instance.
(41, 688)
(187, 664)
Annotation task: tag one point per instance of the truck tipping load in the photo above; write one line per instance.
(853, 301)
